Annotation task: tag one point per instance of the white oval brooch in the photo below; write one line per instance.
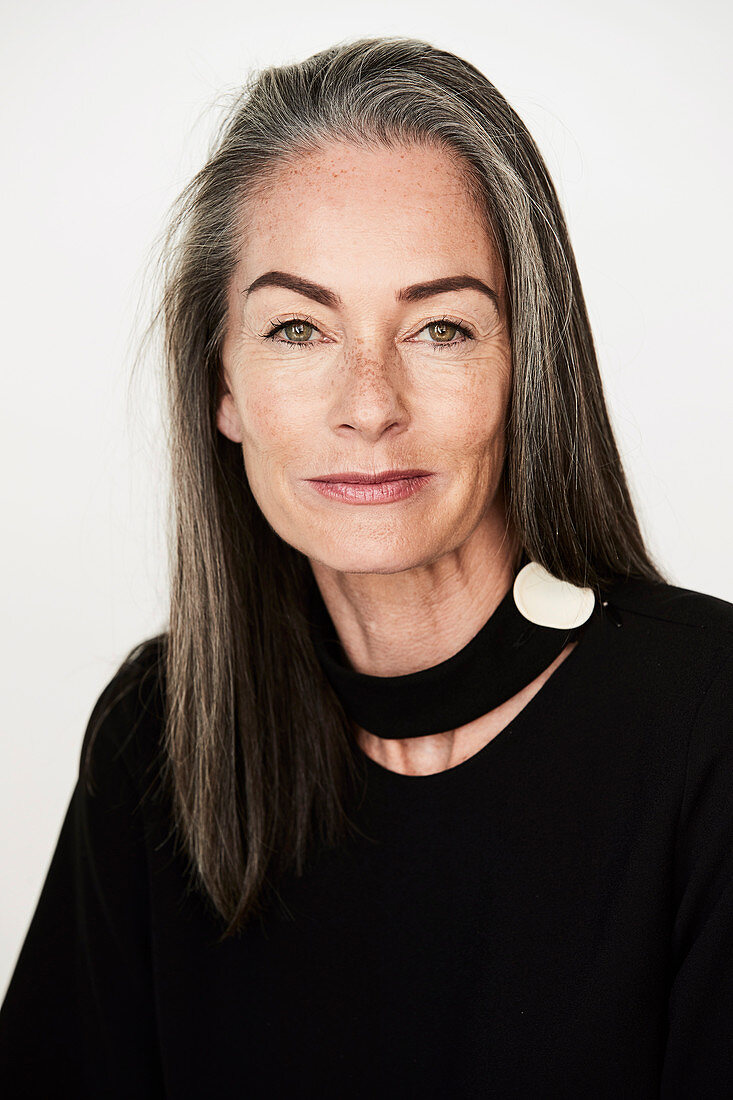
(548, 601)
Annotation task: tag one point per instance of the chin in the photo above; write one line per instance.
(364, 558)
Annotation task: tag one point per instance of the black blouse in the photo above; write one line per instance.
(552, 917)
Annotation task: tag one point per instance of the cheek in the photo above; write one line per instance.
(469, 420)
(273, 421)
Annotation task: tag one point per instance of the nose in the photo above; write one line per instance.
(370, 396)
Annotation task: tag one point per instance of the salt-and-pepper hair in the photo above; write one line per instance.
(256, 759)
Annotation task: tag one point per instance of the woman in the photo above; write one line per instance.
(426, 788)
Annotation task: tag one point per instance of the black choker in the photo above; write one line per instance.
(508, 652)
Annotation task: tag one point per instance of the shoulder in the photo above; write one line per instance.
(676, 642)
(123, 733)
(676, 606)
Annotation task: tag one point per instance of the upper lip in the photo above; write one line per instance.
(370, 479)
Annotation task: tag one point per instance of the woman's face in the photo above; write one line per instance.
(366, 374)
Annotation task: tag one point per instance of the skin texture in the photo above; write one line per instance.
(407, 583)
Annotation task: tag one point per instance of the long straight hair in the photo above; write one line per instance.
(257, 747)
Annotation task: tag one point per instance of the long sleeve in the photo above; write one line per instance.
(78, 1018)
(699, 1053)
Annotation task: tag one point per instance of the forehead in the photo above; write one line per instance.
(404, 207)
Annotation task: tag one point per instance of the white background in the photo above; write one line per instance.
(107, 110)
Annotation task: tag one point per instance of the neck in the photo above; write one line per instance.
(460, 680)
(392, 624)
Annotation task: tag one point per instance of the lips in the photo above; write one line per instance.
(392, 486)
(353, 477)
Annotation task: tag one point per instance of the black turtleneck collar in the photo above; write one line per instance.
(505, 655)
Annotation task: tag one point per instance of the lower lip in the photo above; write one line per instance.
(381, 492)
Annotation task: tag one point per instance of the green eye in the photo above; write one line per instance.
(443, 333)
(439, 329)
(297, 332)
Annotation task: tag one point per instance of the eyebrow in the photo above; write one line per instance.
(415, 293)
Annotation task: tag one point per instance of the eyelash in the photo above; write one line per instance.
(278, 325)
